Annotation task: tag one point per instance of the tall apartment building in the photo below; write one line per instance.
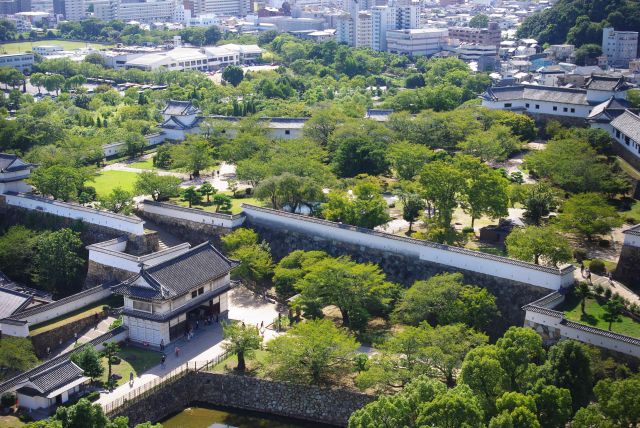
(141, 11)
(363, 30)
(345, 30)
(479, 36)
(620, 47)
(403, 15)
(11, 7)
(71, 10)
(407, 15)
(416, 42)
(219, 7)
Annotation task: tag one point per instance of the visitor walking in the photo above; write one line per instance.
(610, 277)
(162, 360)
(162, 344)
(130, 379)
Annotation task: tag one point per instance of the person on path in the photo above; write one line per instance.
(610, 277)
(130, 379)
(162, 344)
(162, 360)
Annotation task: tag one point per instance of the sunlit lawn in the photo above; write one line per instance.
(134, 360)
(594, 316)
(66, 45)
(86, 311)
(143, 164)
(10, 422)
(254, 364)
(106, 181)
(235, 204)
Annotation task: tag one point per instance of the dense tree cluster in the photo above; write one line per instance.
(580, 22)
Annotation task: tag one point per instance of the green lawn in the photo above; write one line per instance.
(10, 422)
(254, 364)
(132, 359)
(86, 311)
(235, 204)
(66, 45)
(594, 313)
(633, 213)
(106, 181)
(143, 164)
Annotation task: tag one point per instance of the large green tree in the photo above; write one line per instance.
(538, 244)
(58, 264)
(242, 341)
(16, 356)
(356, 289)
(443, 195)
(365, 208)
(160, 187)
(312, 352)
(193, 155)
(89, 360)
(588, 215)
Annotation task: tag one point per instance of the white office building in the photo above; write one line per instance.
(345, 30)
(204, 20)
(72, 10)
(148, 11)
(363, 30)
(21, 61)
(416, 42)
(47, 50)
(620, 47)
(395, 16)
(220, 7)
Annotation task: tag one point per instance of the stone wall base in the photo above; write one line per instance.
(307, 403)
(190, 231)
(98, 273)
(628, 268)
(56, 338)
(511, 295)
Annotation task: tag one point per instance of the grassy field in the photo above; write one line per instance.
(235, 204)
(132, 359)
(253, 365)
(87, 311)
(143, 164)
(594, 316)
(66, 45)
(633, 213)
(106, 181)
(10, 422)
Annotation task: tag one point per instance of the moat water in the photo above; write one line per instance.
(201, 417)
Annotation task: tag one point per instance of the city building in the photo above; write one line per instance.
(480, 36)
(345, 30)
(165, 301)
(620, 47)
(363, 30)
(204, 20)
(236, 8)
(47, 50)
(20, 61)
(416, 42)
(71, 10)
(145, 11)
(11, 7)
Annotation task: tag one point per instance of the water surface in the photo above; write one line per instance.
(201, 417)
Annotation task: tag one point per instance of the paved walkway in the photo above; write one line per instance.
(615, 286)
(207, 341)
(86, 336)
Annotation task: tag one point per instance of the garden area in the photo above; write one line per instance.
(106, 181)
(130, 359)
(595, 315)
(78, 314)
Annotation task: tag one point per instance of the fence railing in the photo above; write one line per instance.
(143, 391)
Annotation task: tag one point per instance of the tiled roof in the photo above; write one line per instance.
(629, 124)
(8, 384)
(606, 83)
(11, 163)
(634, 230)
(537, 93)
(12, 302)
(180, 274)
(608, 110)
(174, 123)
(56, 376)
(180, 108)
(598, 331)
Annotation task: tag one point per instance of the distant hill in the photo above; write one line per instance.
(580, 22)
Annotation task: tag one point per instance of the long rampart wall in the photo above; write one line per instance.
(117, 223)
(454, 257)
(405, 260)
